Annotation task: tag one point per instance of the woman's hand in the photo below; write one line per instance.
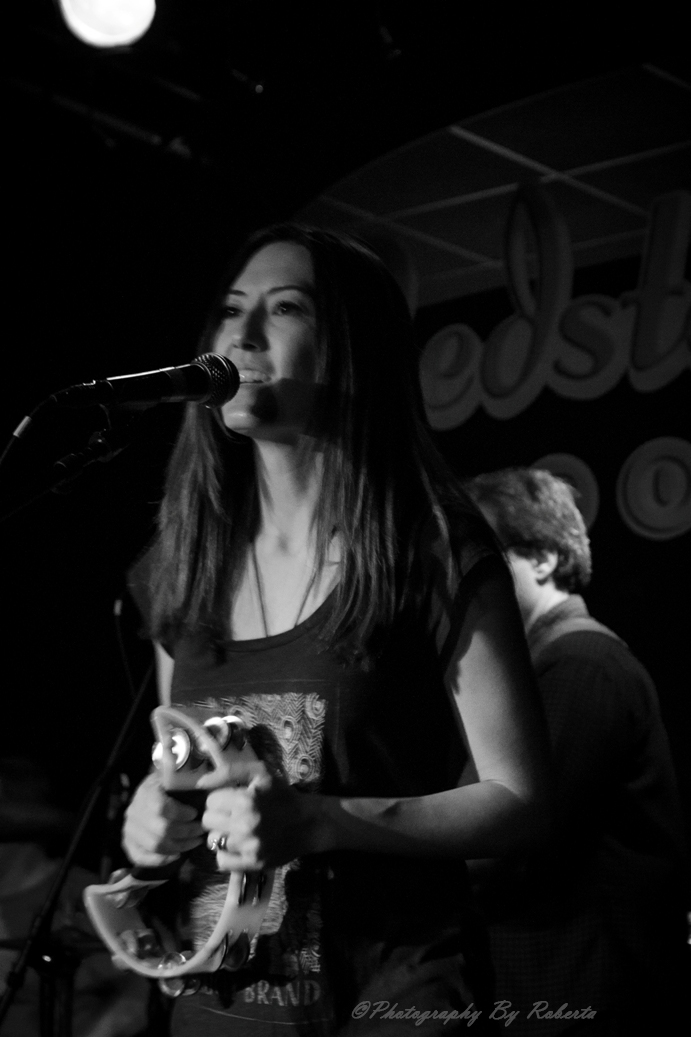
(263, 824)
(157, 827)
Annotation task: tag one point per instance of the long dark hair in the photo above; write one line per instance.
(382, 477)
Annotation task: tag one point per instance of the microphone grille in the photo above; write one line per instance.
(224, 380)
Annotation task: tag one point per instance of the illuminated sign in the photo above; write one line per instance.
(581, 347)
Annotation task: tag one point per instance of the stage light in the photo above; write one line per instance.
(108, 23)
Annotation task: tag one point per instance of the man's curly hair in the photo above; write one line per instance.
(532, 510)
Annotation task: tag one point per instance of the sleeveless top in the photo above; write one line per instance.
(341, 729)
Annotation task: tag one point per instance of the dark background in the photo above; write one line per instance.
(129, 177)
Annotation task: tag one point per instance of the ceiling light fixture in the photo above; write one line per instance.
(108, 23)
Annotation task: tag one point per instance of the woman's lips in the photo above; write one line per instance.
(248, 377)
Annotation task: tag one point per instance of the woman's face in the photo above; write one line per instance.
(269, 331)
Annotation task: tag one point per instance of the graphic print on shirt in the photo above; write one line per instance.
(286, 732)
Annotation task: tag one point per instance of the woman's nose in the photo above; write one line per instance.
(245, 343)
(250, 335)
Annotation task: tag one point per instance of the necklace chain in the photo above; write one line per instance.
(260, 592)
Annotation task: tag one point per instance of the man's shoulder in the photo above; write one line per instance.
(569, 626)
(582, 644)
(581, 625)
(570, 633)
(589, 643)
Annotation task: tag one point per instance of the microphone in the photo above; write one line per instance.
(210, 379)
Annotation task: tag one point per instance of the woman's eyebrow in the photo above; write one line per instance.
(307, 289)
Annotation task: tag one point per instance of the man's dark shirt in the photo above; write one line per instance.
(597, 916)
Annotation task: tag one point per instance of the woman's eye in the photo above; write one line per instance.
(286, 306)
(229, 312)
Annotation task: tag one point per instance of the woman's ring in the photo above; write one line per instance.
(222, 842)
(213, 844)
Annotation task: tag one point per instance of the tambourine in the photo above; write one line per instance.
(184, 751)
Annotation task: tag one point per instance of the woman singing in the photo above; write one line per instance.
(318, 574)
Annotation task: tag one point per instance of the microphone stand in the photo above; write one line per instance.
(55, 963)
(39, 949)
(104, 445)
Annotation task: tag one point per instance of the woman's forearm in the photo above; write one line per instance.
(485, 819)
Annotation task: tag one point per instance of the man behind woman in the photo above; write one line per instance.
(597, 916)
